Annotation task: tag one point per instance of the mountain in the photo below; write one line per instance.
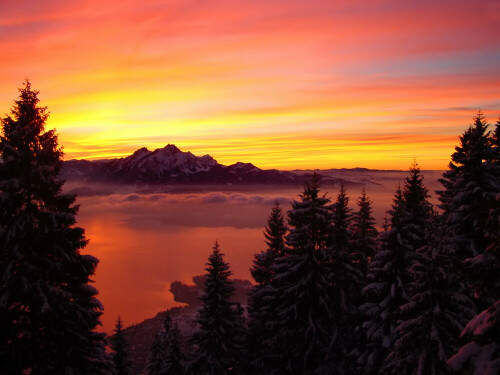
(173, 166)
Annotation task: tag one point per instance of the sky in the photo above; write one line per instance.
(280, 83)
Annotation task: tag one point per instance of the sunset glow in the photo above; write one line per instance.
(281, 84)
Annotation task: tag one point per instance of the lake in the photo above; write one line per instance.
(147, 237)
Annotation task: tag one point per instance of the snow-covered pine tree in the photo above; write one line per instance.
(174, 355)
(119, 346)
(346, 282)
(435, 315)
(274, 237)
(414, 221)
(469, 185)
(418, 210)
(156, 356)
(261, 299)
(302, 325)
(480, 353)
(48, 309)
(389, 274)
(218, 340)
(385, 292)
(166, 355)
(364, 232)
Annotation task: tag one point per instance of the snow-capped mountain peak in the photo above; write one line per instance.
(171, 165)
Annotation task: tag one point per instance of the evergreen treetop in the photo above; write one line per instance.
(274, 234)
(364, 232)
(470, 185)
(385, 292)
(346, 280)
(309, 219)
(262, 299)
(301, 289)
(218, 339)
(119, 346)
(48, 308)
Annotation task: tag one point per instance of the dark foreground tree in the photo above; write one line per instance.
(385, 292)
(301, 328)
(364, 233)
(166, 356)
(48, 309)
(470, 185)
(261, 302)
(119, 346)
(431, 321)
(218, 341)
(346, 281)
(389, 278)
(480, 353)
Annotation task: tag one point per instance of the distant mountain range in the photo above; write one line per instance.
(173, 166)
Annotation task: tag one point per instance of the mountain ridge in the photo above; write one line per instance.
(172, 166)
(169, 165)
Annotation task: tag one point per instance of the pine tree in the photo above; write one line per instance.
(415, 216)
(389, 276)
(385, 292)
(364, 233)
(48, 309)
(435, 315)
(418, 210)
(301, 330)
(346, 282)
(119, 346)
(469, 186)
(156, 357)
(261, 300)
(218, 340)
(166, 356)
(480, 353)
(274, 234)
(174, 359)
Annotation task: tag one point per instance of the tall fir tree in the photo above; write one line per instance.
(302, 327)
(438, 310)
(418, 212)
(174, 356)
(155, 364)
(218, 339)
(385, 292)
(389, 277)
(119, 346)
(166, 356)
(346, 282)
(414, 223)
(480, 353)
(261, 302)
(274, 237)
(48, 309)
(364, 233)
(469, 185)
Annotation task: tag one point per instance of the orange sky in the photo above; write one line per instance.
(280, 83)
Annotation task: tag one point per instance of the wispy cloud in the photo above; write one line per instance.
(239, 72)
